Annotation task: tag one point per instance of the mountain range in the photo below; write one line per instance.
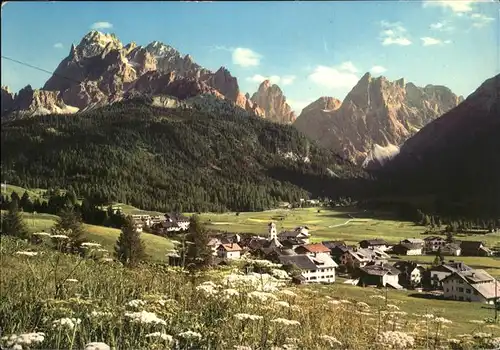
(368, 127)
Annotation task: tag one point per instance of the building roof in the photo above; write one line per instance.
(332, 244)
(471, 245)
(480, 280)
(376, 241)
(303, 262)
(410, 246)
(231, 247)
(413, 240)
(433, 238)
(315, 248)
(452, 266)
(380, 270)
(410, 265)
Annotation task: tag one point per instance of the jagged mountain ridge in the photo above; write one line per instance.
(375, 118)
(271, 99)
(101, 70)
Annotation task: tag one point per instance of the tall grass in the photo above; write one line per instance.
(75, 301)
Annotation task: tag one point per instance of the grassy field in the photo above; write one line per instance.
(156, 246)
(33, 193)
(347, 224)
(412, 302)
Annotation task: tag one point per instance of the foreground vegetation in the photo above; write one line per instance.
(158, 307)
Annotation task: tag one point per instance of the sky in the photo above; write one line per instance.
(310, 49)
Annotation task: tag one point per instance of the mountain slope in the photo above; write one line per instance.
(456, 157)
(171, 159)
(271, 99)
(376, 114)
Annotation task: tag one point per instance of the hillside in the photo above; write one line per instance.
(171, 159)
(455, 158)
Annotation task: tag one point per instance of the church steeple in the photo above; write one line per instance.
(272, 231)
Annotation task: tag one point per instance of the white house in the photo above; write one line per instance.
(229, 251)
(313, 269)
(438, 273)
(411, 275)
(379, 275)
(472, 285)
(299, 233)
(408, 249)
(375, 243)
(433, 243)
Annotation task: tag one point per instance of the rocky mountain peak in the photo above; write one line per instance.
(95, 42)
(376, 117)
(7, 100)
(271, 99)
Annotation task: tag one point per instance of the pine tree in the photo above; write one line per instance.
(70, 222)
(130, 248)
(198, 252)
(13, 223)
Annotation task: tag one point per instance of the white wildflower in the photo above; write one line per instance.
(332, 341)
(395, 340)
(288, 293)
(261, 296)
(441, 320)
(90, 245)
(59, 236)
(26, 253)
(428, 316)
(296, 308)
(363, 313)
(362, 304)
(25, 339)
(377, 296)
(477, 321)
(454, 341)
(41, 234)
(230, 292)
(100, 313)
(97, 346)
(242, 347)
(167, 337)
(207, 289)
(72, 280)
(399, 313)
(334, 302)
(282, 303)
(479, 335)
(344, 301)
(392, 307)
(190, 335)
(70, 323)
(145, 317)
(280, 274)
(136, 303)
(242, 317)
(286, 322)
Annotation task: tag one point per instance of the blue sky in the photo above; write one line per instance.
(310, 49)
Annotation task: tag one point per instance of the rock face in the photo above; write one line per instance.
(272, 101)
(29, 103)
(314, 117)
(7, 99)
(376, 117)
(101, 70)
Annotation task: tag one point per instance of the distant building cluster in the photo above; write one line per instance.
(367, 264)
(166, 224)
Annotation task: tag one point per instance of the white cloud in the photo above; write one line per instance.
(274, 79)
(101, 25)
(378, 69)
(333, 77)
(348, 66)
(393, 34)
(428, 41)
(298, 105)
(458, 6)
(479, 20)
(58, 46)
(246, 57)
(443, 26)
(288, 79)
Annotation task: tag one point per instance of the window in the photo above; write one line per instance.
(467, 291)
(460, 290)
(447, 289)
(460, 281)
